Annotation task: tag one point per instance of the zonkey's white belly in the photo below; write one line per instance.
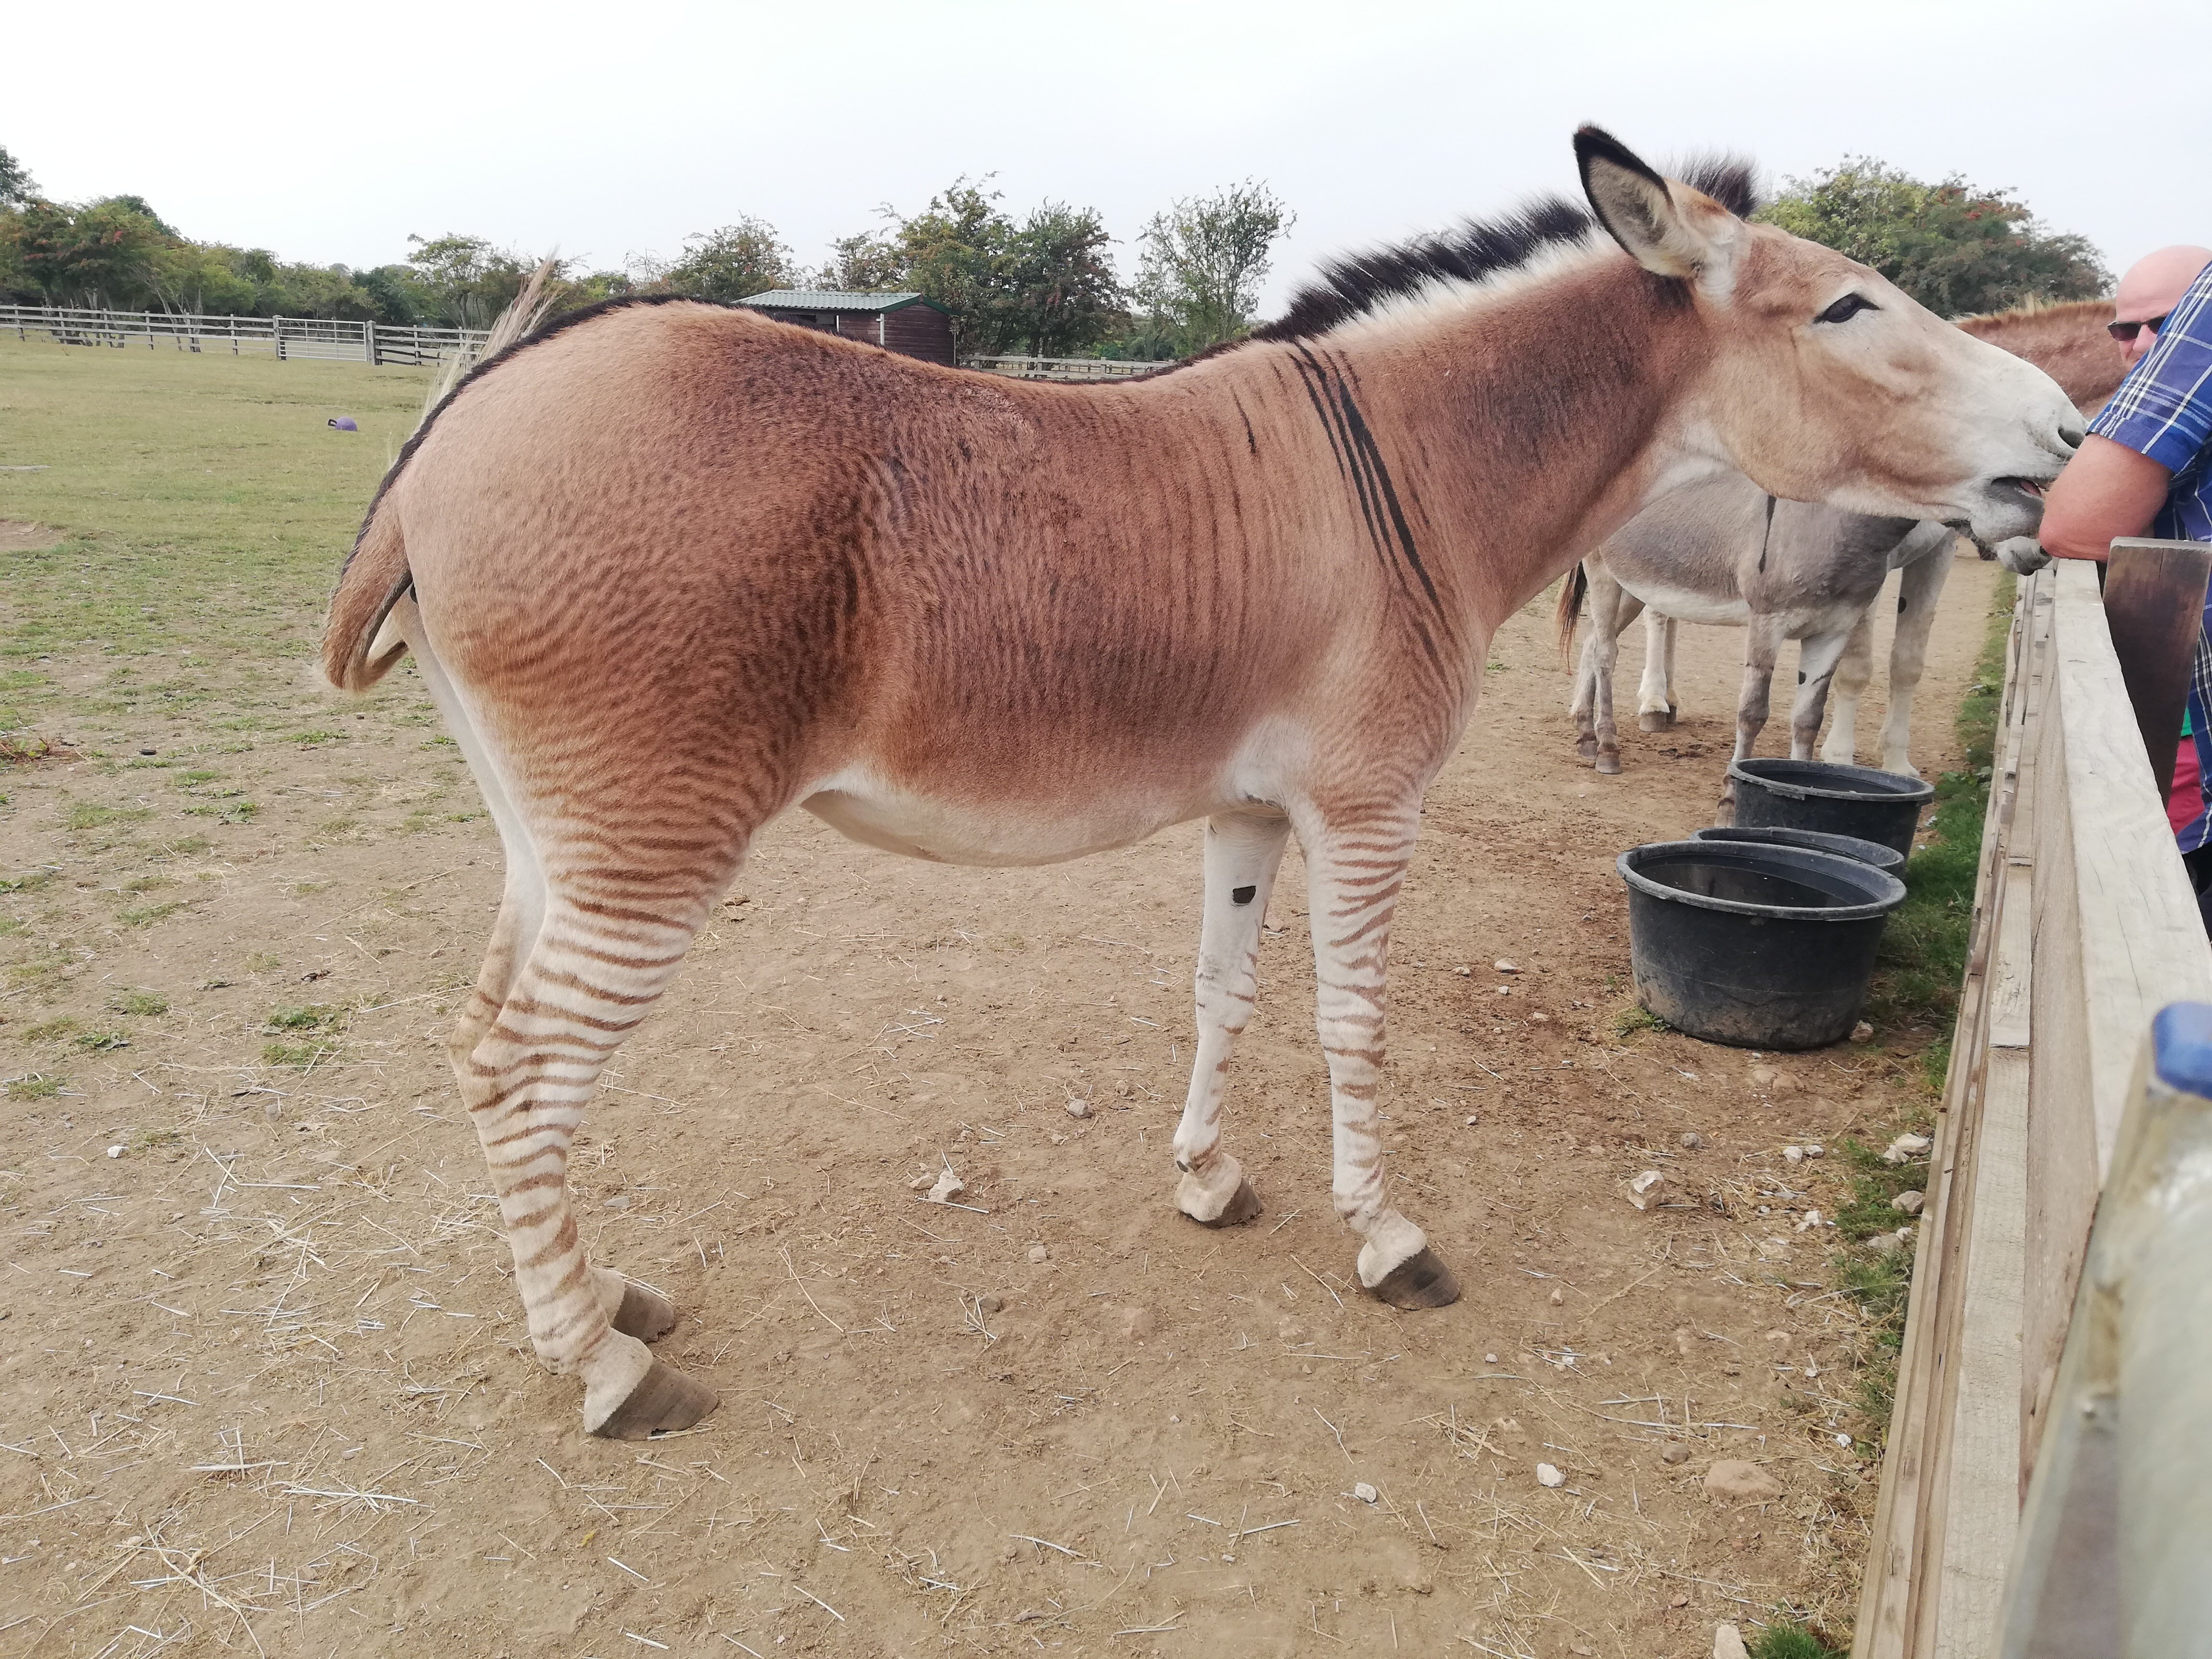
(956, 832)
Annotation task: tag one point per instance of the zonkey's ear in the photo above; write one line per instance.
(1637, 208)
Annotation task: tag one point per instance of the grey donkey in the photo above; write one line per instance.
(1723, 552)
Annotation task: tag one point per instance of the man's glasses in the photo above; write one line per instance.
(2125, 332)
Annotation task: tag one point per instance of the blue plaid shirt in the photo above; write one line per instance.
(2163, 409)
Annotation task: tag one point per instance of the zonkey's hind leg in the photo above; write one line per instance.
(1243, 852)
(1355, 870)
(597, 964)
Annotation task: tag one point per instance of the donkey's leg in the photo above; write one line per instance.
(606, 950)
(1919, 586)
(1612, 607)
(1762, 644)
(1583, 708)
(1654, 693)
(1853, 670)
(1816, 665)
(1354, 871)
(1242, 850)
(1598, 588)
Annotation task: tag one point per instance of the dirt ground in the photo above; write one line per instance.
(263, 1386)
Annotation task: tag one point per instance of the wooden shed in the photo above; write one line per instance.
(905, 322)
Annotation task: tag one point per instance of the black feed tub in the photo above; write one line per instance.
(1849, 847)
(1756, 945)
(1842, 800)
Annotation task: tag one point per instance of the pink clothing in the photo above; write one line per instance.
(2185, 805)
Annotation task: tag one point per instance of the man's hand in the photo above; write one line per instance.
(2107, 490)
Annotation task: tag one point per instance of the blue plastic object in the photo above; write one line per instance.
(2181, 1045)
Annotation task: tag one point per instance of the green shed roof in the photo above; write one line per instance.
(831, 298)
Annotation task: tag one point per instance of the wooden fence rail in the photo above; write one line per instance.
(1062, 369)
(2085, 926)
(320, 338)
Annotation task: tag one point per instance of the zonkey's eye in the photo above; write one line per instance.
(1845, 308)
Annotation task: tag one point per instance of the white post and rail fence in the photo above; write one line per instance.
(387, 344)
(2047, 1491)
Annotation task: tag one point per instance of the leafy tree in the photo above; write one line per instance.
(144, 208)
(17, 185)
(1059, 293)
(1954, 248)
(867, 262)
(100, 256)
(1198, 280)
(1046, 285)
(954, 251)
(464, 281)
(740, 259)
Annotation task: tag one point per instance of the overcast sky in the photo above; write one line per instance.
(330, 133)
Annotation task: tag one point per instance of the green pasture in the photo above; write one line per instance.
(157, 686)
(206, 503)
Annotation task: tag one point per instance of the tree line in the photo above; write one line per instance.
(1044, 282)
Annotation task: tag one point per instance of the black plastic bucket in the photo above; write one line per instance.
(1753, 945)
(1842, 800)
(1849, 847)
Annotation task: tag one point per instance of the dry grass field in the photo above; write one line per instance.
(263, 1387)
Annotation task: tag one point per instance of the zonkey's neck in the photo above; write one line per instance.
(1517, 434)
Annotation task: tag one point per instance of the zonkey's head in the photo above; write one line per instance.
(1826, 383)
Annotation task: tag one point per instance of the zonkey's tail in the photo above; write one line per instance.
(1572, 586)
(356, 652)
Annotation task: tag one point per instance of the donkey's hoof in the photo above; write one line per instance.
(646, 1315)
(1419, 1281)
(1609, 764)
(1655, 720)
(663, 1400)
(1587, 748)
(1243, 1204)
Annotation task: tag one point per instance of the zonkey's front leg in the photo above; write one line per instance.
(1355, 870)
(1243, 852)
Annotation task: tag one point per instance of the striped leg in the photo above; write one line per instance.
(1354, 874)
(606, 950)
(1242, 850)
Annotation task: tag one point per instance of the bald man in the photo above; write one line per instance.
(2117, 486)
(2146, 469)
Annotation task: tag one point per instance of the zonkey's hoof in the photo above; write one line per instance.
(663, 1400)
(1243, 1204)
(1419, 1281)
(646, 1315)
(1609, 764)
(1656, 720)
(1587, 748)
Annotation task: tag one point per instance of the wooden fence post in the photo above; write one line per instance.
(2113, 1543)
(2155, 605)
(368, 343)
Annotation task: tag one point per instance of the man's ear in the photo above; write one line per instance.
(1640, 210)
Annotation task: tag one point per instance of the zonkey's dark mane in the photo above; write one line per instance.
(1358, 284)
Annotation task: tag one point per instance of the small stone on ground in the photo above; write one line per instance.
(1741, 1482)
